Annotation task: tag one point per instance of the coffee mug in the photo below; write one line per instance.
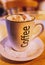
(22, 30)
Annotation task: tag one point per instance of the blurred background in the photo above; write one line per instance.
(29, 6)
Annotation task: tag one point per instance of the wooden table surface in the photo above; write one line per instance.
(38, 61)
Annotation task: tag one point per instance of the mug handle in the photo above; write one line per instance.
(38, 29)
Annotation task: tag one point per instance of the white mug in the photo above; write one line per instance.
(22, 32)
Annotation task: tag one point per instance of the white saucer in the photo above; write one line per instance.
(35, 49)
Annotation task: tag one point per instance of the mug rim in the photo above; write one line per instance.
(20, 21)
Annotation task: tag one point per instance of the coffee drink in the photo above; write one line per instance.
(19, 17)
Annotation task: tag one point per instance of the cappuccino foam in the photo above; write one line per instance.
(19, 17)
